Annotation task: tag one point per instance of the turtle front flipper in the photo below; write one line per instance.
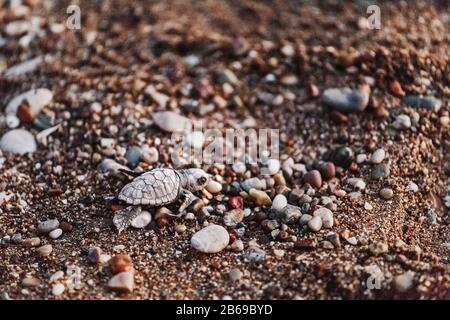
(189, 197)
(122, 219)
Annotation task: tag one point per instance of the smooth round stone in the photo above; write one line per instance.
(326, 215)
(304, 219)
(279, 202)
(18, 141)
(412, 187)
(380, 171)
(343, 157)
(12, 121)
(378, 156)
(37, 99)
(48, 225)
(254, 183)
(425, 102)
(345, 99)
(122, 282)
(55, 234)
(273, 166)
(57, 289)
(235, 274)
(255, 254)
(261, 198)
(233, 217)
(402, 121)
(404, 282)
(171, 122)
(386, 193)
(315, 224)
(150, 155)
(133, 156)
(45, 250)
(32, 242)
(214, 186)
(211, 239)
(239, 167)
(237, 246)
(327, 170)
(314, 178)
(289, 214)
(16, 238)
(31, 282)
(142, 220)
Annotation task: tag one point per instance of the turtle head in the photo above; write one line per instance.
(197, 179)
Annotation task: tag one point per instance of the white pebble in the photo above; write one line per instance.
(142, 220)
(211, 239)
(214, 186)
(273, 166)
(18, 141)
(412, 187)
(378, 156)
(315, 224)
(55, 234)
(279, 202)
(326, 216)
(57, 289)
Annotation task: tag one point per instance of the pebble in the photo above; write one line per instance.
(45, 250)
(377, 156)
(255, 254)
(314, 178)
(279, 202)
(37, 99)
(361, 158)
(18, 141)
(55, 234)
(343, 157)
(333, 237)
(254, 183)
(304, 219)
(12, 121)
(261, 198)
(236, 202)
(226, 76)
(326, 216)
(235, 275)
(237, 246)
(404, 282)
(412, 187)
(211, 239)
(57, 289)
(31, 282)
(233, 217)
(239, 167)
(122, 282)
(180, 228)
(273, 166)
(386, 193)
(109, 165)
(48, 225)
(16, 238)
(327, 170)
(315, 224)
(32, 242)
(380, 171)
(402, 122)
(142, 220)
(121, 263)
(345, 99)
(56, 276)
(94, 254)
(150, 155)
(133, 156)
(289, 214)
(357, 183)
(306, 244)
(214, 186)
(23, 67)
(171, 122)
(426, 102)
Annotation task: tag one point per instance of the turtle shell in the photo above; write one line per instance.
(155, 188)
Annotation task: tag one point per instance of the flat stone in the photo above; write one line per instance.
(122, 282)
(171, 122)
(48, 225)
(345, 99)
(211, 239)
(425, 102)
(18, 141)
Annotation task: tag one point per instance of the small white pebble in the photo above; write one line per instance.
(55, 234)
(57, 289)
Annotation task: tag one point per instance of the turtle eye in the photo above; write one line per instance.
(201, 180)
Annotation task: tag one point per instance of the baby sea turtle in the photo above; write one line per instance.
(159, 187)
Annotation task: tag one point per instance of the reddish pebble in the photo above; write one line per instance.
(314, 178)
(396, 88)
(121, 263)
(24, 113)
(338, 117)
(65, 226)
(328, 170)
(313, 91)
(236, 202)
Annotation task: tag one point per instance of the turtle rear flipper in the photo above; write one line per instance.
(122, 219)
